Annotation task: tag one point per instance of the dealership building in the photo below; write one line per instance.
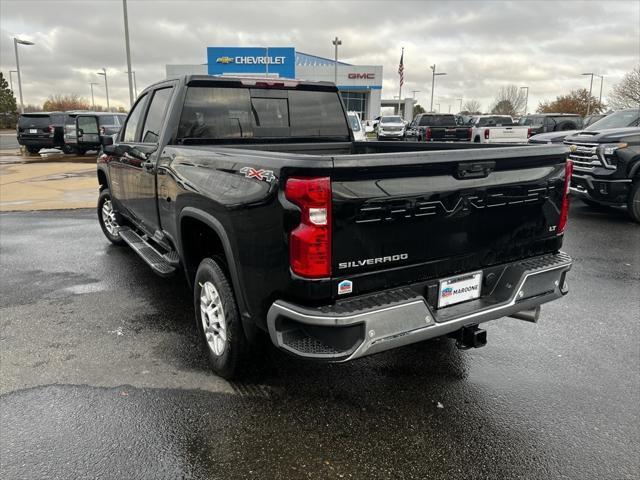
(359, 85)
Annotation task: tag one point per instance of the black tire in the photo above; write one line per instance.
(33, 150)
(67, 150)
(105, 196)
(476, 140)
(81, 151)
(633, 202)
(232, 362)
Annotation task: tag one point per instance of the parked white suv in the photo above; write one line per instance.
(391, 127)
(496, 129)
(356, 127)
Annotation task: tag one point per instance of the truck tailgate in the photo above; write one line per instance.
(400, 218)
(508, 134)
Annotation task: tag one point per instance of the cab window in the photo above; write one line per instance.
(155, 116)
(131, 128)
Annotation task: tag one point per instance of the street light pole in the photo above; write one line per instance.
(93, 103)
(438, 107)
(433, 83)
(460, 104)
(526, 99)
(601, 82)
(590, 88)
(17, 41)
(336, 42)
(11, 80)
(126, 42)
(135, 86)
(106, 86)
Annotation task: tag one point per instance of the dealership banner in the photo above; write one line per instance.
(252, 60)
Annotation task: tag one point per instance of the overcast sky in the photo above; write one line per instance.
(480, 45)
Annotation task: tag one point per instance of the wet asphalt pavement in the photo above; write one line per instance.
(102, 377)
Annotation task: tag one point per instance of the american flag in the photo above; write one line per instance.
(401, 68)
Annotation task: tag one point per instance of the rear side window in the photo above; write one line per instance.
(215, 113)
(106, 119)
(155, 116)
(134, 119)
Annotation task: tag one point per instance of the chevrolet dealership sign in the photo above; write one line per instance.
(252, 60)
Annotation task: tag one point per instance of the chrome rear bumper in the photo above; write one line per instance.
(369, 324)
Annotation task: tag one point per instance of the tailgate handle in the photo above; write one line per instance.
(475, 170)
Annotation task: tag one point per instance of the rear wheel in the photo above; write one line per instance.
(218, 321)
(67, 149)
(476, 140)
(633, 202)
(33, 150)
(110, 220)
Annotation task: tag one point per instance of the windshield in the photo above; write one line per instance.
(624, 118)
(391, 120)
(438, 121)
(354, 123)
(219, 113)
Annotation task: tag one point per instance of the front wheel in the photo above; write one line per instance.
(633, 202)
(218, 321)
(110, 220)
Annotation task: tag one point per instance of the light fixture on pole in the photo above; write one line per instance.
(460, 100)
(126, 44)
(16, 42)
(336, 42)
(590, 88)
(433, 83)
(93, 103)
(526, 99)
(106, 86)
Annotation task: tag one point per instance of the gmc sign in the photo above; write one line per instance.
(359, 76)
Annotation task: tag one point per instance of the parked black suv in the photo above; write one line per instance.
(551, 122)
(606, 167)
(41, 130)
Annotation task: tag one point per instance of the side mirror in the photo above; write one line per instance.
(80, 132)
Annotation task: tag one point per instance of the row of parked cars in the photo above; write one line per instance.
(71, 132)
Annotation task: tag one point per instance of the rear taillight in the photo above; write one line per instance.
(427, 134)
(52, 129)
(486, 134)
(564, 211)
(310, 242)
(102, 131)
(469, 133)
(528, 132)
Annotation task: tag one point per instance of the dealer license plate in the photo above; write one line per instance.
(33, 130)
(459, 289)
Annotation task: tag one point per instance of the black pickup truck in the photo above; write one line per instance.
(436, 127)
(287, 229)
(607, 167)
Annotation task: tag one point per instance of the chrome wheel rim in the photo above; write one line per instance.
(109, 218)
(214, 324)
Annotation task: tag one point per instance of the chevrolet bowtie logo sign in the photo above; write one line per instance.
(224, 60)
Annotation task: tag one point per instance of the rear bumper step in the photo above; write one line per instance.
(163, 265)
(374, 323)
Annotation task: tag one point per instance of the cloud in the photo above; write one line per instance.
(480, 45)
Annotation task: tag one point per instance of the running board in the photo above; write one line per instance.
(161, 265)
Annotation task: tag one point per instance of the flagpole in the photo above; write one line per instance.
(400, 90)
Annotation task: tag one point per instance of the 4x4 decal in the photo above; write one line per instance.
(266, 175)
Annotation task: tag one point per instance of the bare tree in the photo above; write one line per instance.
(65, 102)
(509, 101)
(626, 93)
(472, 106)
